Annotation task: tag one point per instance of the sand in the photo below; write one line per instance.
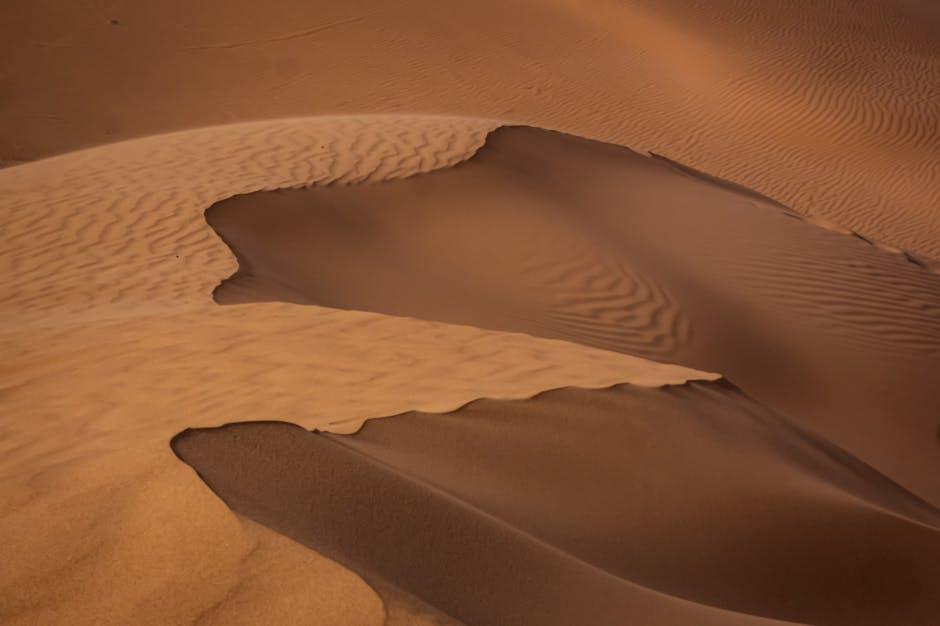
(605, 506)
(555, 236)
(829, 107)
(113, 344)
(694, 387)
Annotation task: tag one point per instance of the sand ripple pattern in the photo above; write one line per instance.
(597, 299)
(405, 250)
(78, 229)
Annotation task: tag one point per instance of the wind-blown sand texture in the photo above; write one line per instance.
(832, 107)
(112, 344)
(561, 237)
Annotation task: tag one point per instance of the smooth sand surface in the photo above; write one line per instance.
(556, 236)
(831, 107)
(602, 506)
(112, 344)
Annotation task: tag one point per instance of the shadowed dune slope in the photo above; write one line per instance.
(120, 227)
(562, 237)
(675, 505)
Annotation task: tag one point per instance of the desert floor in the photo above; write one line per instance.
(647, 294)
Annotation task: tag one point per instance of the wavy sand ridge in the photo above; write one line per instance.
(111, 345)
(857, 84)
(82, 228)
(831, 107)
(87, 477)
(563, 237)
(622, 500)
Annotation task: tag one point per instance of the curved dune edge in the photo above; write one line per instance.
(60, 211)
(459, 508)
(630, 371)
(562, 237)
(120, 227)
(112, 345)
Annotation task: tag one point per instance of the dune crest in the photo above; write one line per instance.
(684, 504)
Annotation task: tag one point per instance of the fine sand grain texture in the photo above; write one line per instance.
(832, 107)
(562, 237)
(112, 344)
(601, 507)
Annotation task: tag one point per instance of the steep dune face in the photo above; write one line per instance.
(603, 506)
(831, 107)
(561, 237)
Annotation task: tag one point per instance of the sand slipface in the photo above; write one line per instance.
(113, 344)
(681, 504)
(689, 504)
(561, 237)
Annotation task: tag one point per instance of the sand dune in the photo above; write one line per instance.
(560, 237)
(573, 494)
(83, 227)
(543, 261)
(103, 520)
(830, 107)
(109, 320)
(112, 344)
